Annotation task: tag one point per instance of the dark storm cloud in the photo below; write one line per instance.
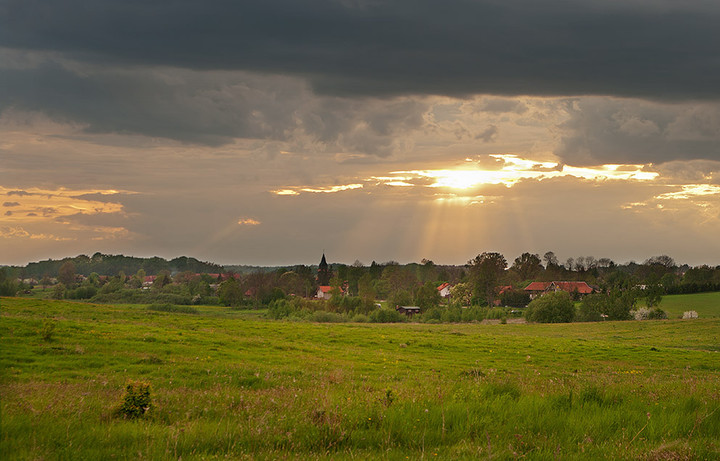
(607, 130)
(656, 49)
(210, 108)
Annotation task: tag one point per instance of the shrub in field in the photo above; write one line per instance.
(386, 316)
(360, 318)
(649, 314)
(327, 317)
(280, 309)
(554, 307)
(58, 291)
(172, 308)
(136, 401)
(82, 292)
(47, 330)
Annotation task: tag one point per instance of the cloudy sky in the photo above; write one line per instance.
(267, 131)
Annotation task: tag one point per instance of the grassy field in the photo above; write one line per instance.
(705, 304)
(228, 384)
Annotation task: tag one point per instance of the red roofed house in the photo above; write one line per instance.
(325, 291)
(444, 290)
(538, 288)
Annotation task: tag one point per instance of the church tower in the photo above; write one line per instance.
(324, 272)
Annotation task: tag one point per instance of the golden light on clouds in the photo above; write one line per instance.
(506, 170)
(515, 169)
(36, 204)
(28, 213)
(691, 191)
(248, 222)
(318, 190)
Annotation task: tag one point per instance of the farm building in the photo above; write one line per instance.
(536, 289)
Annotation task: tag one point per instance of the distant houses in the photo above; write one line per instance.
(536, 289)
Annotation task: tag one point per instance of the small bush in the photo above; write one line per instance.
(326, 317)
(47, 330)
(172, 308)
(649, 314)
(136, 401)
(386, 316)
(361, 318)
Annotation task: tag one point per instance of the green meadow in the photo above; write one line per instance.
(705, 304)
(228, 384)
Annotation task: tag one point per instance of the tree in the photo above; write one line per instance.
(555, 307)
(66, 274)
(427, 296)
(365, 288)
(461, 294)
(486, 269)
(592, 308)
(230, 293)
(527, 265)
(550, 260)
(653, 295)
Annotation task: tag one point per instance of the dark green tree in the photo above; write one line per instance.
(527, 266)
(230, 293)
(555, 307)
(486, 271)
(66, 274)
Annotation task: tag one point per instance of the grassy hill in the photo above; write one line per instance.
(705, 304)
(229, 384)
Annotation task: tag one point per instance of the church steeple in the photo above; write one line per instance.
(324, 273)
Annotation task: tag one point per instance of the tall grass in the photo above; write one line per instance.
(227, 386)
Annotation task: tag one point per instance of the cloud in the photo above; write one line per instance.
(248, 222)
(664, 50)
(10, 204)
(211, 108)
(610, 130)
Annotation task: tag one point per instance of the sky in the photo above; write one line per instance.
(265, 132)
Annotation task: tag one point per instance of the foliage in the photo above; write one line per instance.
(81, 292)
(8, 287)
(230, 293)
(615, 305)
(400, 298)
(644, 313)
(387, 316)
(172, 308)
(58, 291)
(47, 330)
(592, 308)
(136, 402)
(427, 296)
(486, 270)
(555, 307)
(515, 298)
(527, 265)
(66, 273)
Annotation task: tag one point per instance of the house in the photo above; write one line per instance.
(408, 310)
(324, 292)
(536, 289)
(444, 290)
